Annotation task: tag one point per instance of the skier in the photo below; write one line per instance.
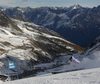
(70, 59)
(73, 59)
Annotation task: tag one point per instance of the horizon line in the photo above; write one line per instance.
(45, 6)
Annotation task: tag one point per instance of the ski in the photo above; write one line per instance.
(56, 72)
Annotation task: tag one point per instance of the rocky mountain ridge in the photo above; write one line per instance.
(77, 24)
(30, 44)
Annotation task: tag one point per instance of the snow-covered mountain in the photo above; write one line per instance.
(90, 57)
(93, 47)
(29, 44)
(90, 63)
(78, 24)
(35, 46)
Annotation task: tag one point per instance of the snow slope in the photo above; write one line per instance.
(89, 76)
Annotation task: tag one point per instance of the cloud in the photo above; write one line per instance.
(39, 3)
(67, 0)
(24, 0)
(6, 2)
(14, 3)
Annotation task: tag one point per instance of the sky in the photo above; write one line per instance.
(58, 3)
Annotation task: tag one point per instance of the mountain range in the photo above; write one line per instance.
(30, 44)
(33, 46)
(80, 25)
(22, 38)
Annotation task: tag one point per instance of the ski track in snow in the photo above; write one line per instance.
(89, 76)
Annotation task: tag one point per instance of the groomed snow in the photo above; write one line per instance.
(89, 76)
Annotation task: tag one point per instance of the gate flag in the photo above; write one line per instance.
(11, 65)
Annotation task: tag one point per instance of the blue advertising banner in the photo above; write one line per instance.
(11, 65)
